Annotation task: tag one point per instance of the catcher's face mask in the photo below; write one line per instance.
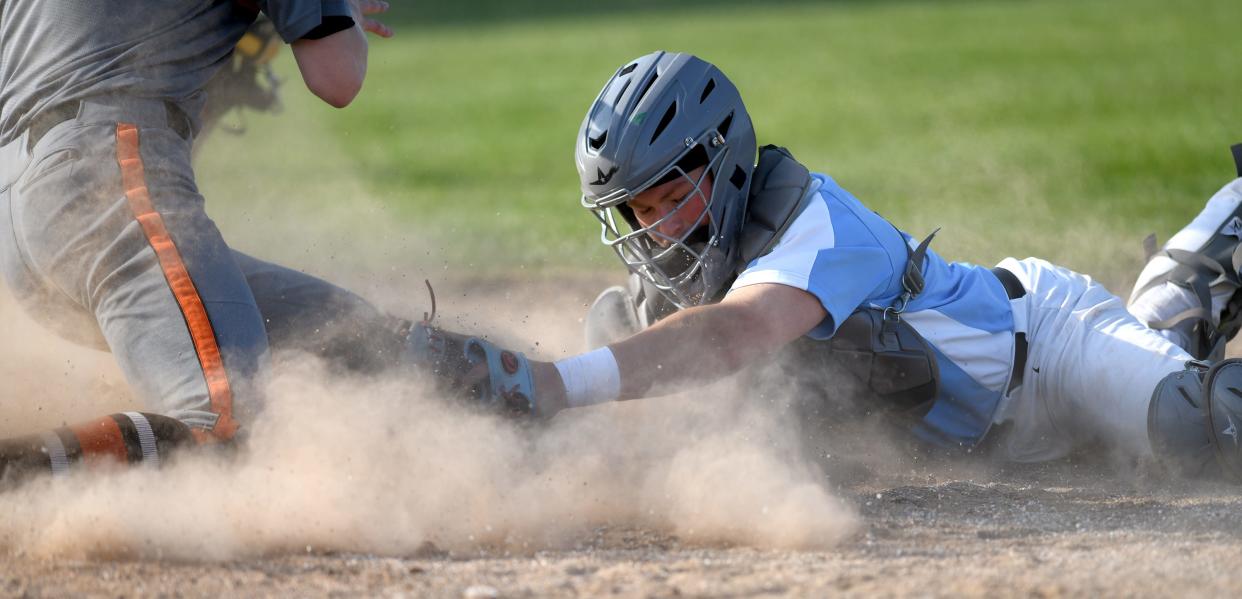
(667, 239)
(668, 210)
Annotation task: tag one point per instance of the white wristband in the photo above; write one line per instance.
(590, 378)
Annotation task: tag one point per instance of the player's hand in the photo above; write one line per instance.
(497, 379)
(363, 8)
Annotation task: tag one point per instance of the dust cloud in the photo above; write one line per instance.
(379, 465)
(48, 381)
(382, 466)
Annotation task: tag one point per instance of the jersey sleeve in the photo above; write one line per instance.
(294, 19)
(828, 256)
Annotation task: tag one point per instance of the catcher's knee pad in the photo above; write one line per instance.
(1223, 392)
(1205, 259)
(1193, 419)
(613, 316)
(1176, 424)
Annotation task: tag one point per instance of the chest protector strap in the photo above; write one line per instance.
(888, 354)
(874, 344)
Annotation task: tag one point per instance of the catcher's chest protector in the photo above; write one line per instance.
(890, 357)
(876, 345)
(778, 193)
(886, 354)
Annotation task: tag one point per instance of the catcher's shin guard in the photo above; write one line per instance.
(1223, 403)
(619, 312)
(613, 316)
(1176, 424)
(1205, 260)
(126, 438)
(1193, 419)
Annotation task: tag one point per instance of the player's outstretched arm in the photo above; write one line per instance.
(699, 344)
(334, 66)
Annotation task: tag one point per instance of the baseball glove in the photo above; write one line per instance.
(247, 81)
(496, 379)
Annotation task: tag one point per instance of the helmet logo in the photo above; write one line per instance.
(604, 178)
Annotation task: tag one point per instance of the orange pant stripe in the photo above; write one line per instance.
(133, 178)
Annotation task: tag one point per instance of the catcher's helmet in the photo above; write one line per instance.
(659, 117)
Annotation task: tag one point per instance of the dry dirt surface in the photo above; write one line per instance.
(1056, 532)
(654, 500)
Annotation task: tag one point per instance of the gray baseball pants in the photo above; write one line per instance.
(104, 239)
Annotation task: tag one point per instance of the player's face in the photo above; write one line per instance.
(674, 207)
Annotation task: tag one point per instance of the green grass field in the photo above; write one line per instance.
(1063, 129)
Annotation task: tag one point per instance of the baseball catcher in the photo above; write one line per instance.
(736, 252)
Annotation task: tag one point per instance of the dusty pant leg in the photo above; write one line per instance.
(306, 314)
(1166, 301)
(42, 302)
(133, 247)
(1090, 371)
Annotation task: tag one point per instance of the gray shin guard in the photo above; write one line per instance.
(612, 317)
(1176, 424)
(1211, 269)
(1223, 394)
(1193, 418)
(619, 312)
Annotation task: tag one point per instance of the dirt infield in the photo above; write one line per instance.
(1049, 533)
(667, 498)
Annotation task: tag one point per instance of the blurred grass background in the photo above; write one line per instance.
(1062, 129)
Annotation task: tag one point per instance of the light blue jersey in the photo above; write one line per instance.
(849, 257)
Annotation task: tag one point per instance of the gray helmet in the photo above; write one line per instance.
(659, 117)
